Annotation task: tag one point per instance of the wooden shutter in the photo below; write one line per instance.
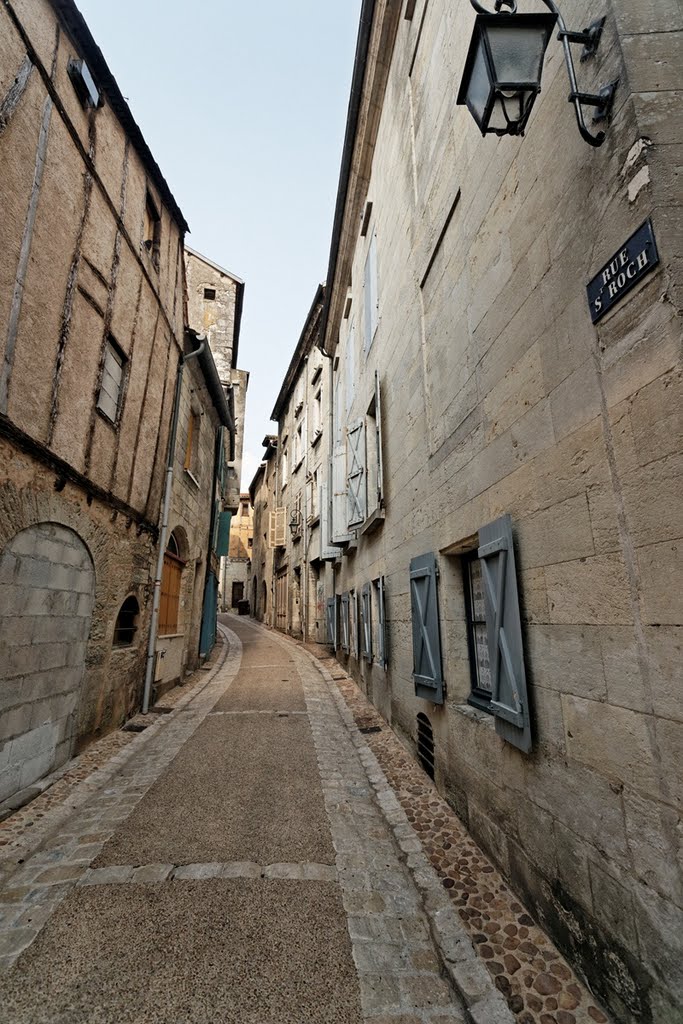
(355, 473)
(345, 623)
(328, 552)
(366, 621)
(171, 580)
(277, 528)
(332, 621)
(370, 292)
(340, 532)
(378, 431)
(223, 543)
(383, 651)
(424, 605)
(509, 702)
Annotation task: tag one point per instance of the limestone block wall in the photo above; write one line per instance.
(500, 396)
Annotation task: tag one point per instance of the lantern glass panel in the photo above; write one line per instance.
(479, 89)
(518, 48)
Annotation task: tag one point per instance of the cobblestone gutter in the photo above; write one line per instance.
(526, 968)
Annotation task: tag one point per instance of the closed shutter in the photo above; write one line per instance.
(366, 621)
(509, 702)
(345, 623)
(382, 638)
(356, 476)
(340, 531)
(424, 605)
(380, 457)
(332, 622)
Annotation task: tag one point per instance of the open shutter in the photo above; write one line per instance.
(383, 650)
(277, 528)
(509, 702)
(332, 621)
(340, 532)
(366, 621)
(424, 606)
(327, 550)
(223, 543)
(356, 476)
(378, 430)
(345, 623)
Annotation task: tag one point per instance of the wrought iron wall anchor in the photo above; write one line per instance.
(590, 38)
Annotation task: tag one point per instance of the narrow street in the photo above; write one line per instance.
(242, 863)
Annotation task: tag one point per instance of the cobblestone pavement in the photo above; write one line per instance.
(538, 983)
(153, 893)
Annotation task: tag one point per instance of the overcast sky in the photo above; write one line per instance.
(244, 106)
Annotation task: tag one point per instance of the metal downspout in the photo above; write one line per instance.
(166, 507)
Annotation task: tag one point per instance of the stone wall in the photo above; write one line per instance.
(80, 276)
(500, 396)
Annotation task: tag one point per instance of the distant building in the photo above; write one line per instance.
(236, 567)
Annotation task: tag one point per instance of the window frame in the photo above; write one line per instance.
(478, 697)
(121, 358)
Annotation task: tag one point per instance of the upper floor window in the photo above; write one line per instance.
(370, 294)
(111, 388)
(152, 230)
(210, 294)
(192, 444)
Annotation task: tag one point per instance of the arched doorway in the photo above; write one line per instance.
(254, 597)
(47, 593)
(264, 599)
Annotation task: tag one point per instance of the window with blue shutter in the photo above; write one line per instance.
(332, 622)
(345, 623)
(366, 622)
(509, 702)
(424, 604)
(382, 655)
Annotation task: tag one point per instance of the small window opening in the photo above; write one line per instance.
(192, 443)
(152, 230)
(425, 744)
(210, 294)
(111, 388)
(126, 623)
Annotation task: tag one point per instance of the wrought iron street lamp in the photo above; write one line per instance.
(504, 65)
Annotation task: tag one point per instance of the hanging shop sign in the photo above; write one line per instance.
(636, 258)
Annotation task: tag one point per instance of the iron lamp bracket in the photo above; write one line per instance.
(590, 37)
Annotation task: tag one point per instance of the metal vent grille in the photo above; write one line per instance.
(425, 744)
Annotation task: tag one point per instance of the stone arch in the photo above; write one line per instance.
(47, 595)
(264, 599)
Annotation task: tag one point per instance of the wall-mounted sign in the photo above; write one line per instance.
(636, 258)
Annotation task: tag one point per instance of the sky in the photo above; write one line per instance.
(243, 105)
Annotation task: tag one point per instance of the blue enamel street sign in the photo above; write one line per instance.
(636, 258)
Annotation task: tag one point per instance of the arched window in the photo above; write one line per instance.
(127, 623)
(171, 579)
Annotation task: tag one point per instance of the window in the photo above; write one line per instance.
(284, 469)
(370, 299)
(312, 510)
(316, 417)
(126, 623)
(381, 646)
(250, 542)
(477, 632)
(424, 606)
(210, 294)
(192, 444)
(245, 508)
(375, 468)
(84, 83)
(366, 622)
(152, 231)
(109, 398)
(170, 587)
(298, 447)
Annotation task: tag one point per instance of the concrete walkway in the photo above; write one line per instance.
(245, 861)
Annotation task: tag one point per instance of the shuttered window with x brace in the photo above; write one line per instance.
(509, 701)
(424, 602)
(345, 623)
(355, 473)
(332, 622)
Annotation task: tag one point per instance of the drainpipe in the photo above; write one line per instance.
(166, 508)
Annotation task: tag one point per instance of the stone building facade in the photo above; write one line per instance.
(298, 525)
(215, 300)
(505, 483)
(236, 567)
(262, 491)
(91, 330)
